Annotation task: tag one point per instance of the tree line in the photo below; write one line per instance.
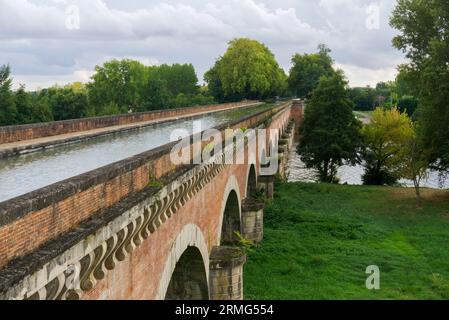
(402, 140)
(118, 86)
(247, 70)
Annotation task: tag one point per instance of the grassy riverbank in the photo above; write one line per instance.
(320, 238)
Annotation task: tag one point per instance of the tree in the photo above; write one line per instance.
(41, 111)
(8, 110)
(120, 83)
(156, 95)
(179, 78)
(416, 164)
(248, 70)
(365, 99)
(307, 70)
(384, 153)
(423, 35)
(408, 104)
(23, 101)
(330, 133)
(66, 103)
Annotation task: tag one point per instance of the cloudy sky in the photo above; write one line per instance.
(60, 41)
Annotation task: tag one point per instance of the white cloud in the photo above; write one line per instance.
(38, 45)
(361, 77)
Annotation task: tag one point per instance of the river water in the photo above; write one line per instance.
(352, 175)
(25, 173)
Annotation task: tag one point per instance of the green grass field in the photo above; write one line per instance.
(319, 240)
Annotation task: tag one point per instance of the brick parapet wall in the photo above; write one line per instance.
(29, 221)
(11, 134)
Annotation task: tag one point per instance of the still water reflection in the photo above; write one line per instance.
(352, 175)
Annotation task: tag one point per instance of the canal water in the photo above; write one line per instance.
(25, 173)
(352, 175)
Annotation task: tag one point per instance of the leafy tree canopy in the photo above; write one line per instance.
(424, 37)
(307, 70)
(384, 153)
(330, 133)
(8, 110)
(249, 70)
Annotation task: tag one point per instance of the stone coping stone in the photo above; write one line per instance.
(251, 205)
(227, 257)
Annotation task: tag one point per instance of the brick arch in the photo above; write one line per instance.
(190, 236)
(232, 188)
(251, 181)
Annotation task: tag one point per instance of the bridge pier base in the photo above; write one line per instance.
(226, 273)
(252, 220)
(267, 183)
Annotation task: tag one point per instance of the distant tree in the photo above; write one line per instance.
(66, 103)
(330, 133)
(214, 84)
(118, 82)
(182, 100)
(8, 110)
(365, 99)
(203, 99)
(384, 153)
(248, 70)
(179, 78)
(41, 111)
(111, 109)
(382, 86)
(307, 70)
(77, 87)
(23, 101)
(156, 95)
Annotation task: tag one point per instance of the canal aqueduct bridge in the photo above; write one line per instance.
(141, 228)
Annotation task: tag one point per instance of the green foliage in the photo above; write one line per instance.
(8, 110)
(117, 87)
(364, 99)
(248, 70)
(110, 109)
(41, 111)
(408, 104)
(330, 132)
(244, 243)
(384, 153)
(24, 106)
(416, 161)
(118, 82)
(154, 182)
(129, 85)
(320, 238)
(66, 103)
(179, 78)
(307, 70)
(156, 95)
(423, 36)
